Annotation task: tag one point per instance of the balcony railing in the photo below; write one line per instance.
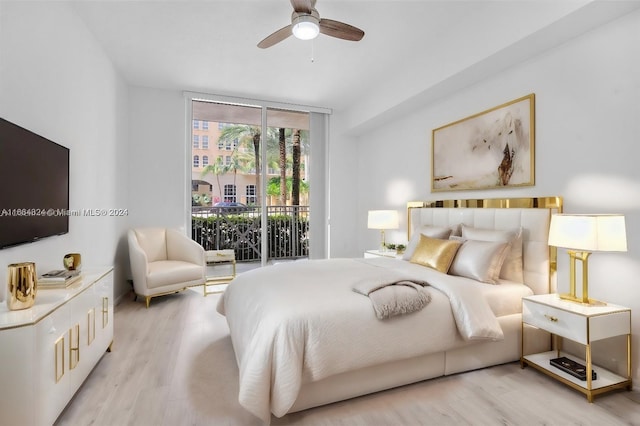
(239, 228)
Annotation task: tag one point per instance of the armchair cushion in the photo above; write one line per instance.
(153, 242)
(167, 272)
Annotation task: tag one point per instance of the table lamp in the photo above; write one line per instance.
(582, 234)
(383, 219)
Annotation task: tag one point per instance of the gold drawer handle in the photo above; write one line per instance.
(74, 346)
(551, 318)
(105, 311)
(91, 325)
(59, 358)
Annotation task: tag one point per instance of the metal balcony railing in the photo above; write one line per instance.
(239, 228)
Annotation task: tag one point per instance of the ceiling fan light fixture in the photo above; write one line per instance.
(305, 27)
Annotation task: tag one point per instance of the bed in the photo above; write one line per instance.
(304, 334)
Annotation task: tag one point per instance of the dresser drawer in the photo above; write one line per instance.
(556, 321)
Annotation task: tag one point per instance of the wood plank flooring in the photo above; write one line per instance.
(173, 364)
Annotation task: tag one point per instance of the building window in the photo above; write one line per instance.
(205, 160)
(251, 194)
(205, 141)
(220, 145)
(227, 160)
(196, 161)
(196, 141)
(230, 193)
(196, 124)
(228, 146)
(205, 125)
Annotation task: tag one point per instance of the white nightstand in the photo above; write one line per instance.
(580, 323)
(379, 253)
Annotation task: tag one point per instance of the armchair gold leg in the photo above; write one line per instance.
(147, 300)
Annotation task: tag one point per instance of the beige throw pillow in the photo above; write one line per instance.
(435, 253)
(512, 267)
(479, 260)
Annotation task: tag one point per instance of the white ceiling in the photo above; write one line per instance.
(409, 46)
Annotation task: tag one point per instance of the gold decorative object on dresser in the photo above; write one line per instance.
(21, 280)
(583, 324)
(50, 348)
(72, 261)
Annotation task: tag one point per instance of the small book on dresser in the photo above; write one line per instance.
(58, 279)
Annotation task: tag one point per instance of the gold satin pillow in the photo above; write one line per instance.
(435, 253)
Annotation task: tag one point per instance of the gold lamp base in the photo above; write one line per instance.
(581, 300)
(582, 256)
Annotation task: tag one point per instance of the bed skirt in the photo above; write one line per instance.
(403, 372)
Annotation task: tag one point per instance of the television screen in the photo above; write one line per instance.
(34, 186)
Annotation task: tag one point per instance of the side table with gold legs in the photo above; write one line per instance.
(220, 257)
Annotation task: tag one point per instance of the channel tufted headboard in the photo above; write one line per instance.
(532, 214)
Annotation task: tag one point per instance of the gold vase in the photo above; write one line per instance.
(72, 261)
(22, 285)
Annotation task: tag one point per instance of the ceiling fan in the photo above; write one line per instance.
(306, 24)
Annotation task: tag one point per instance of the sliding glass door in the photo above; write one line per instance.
(249, 180)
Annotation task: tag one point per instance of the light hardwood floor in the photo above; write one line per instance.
(173, 364)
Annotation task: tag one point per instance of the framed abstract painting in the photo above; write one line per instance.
(491, 149)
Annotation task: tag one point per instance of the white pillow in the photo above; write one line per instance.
(512, 267)
(439, 232)
(479, 260)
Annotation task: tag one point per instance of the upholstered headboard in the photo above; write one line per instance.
(532, 214)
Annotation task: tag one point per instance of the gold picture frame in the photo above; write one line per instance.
(492, 149)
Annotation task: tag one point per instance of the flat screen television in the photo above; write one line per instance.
(34, 186)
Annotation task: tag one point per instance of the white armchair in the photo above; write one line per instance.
(164, 261)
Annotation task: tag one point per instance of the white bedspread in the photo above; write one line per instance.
(300, 321)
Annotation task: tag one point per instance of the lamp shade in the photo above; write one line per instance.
(588, 232)
(383, 219)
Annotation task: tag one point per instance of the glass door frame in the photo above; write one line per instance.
(265, 106)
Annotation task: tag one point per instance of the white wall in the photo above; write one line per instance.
(157, 159)
(587, 132)
(57, 82)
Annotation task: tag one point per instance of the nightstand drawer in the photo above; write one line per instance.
(556, 321)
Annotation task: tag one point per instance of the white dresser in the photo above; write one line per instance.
(47, 351)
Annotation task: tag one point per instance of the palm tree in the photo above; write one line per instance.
(244, 135)
(236, 163)
(246, 138)
(217, 169)
(295, 168)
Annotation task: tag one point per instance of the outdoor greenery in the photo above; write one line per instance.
(245, 158)
(288, 236)
(274, 187)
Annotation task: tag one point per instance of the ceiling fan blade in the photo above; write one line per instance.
(276, 37)
(340, 30)
(302, 6)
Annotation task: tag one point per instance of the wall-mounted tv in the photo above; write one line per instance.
(34, 186)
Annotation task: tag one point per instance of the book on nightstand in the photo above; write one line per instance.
(570, 366)
(58, 279)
